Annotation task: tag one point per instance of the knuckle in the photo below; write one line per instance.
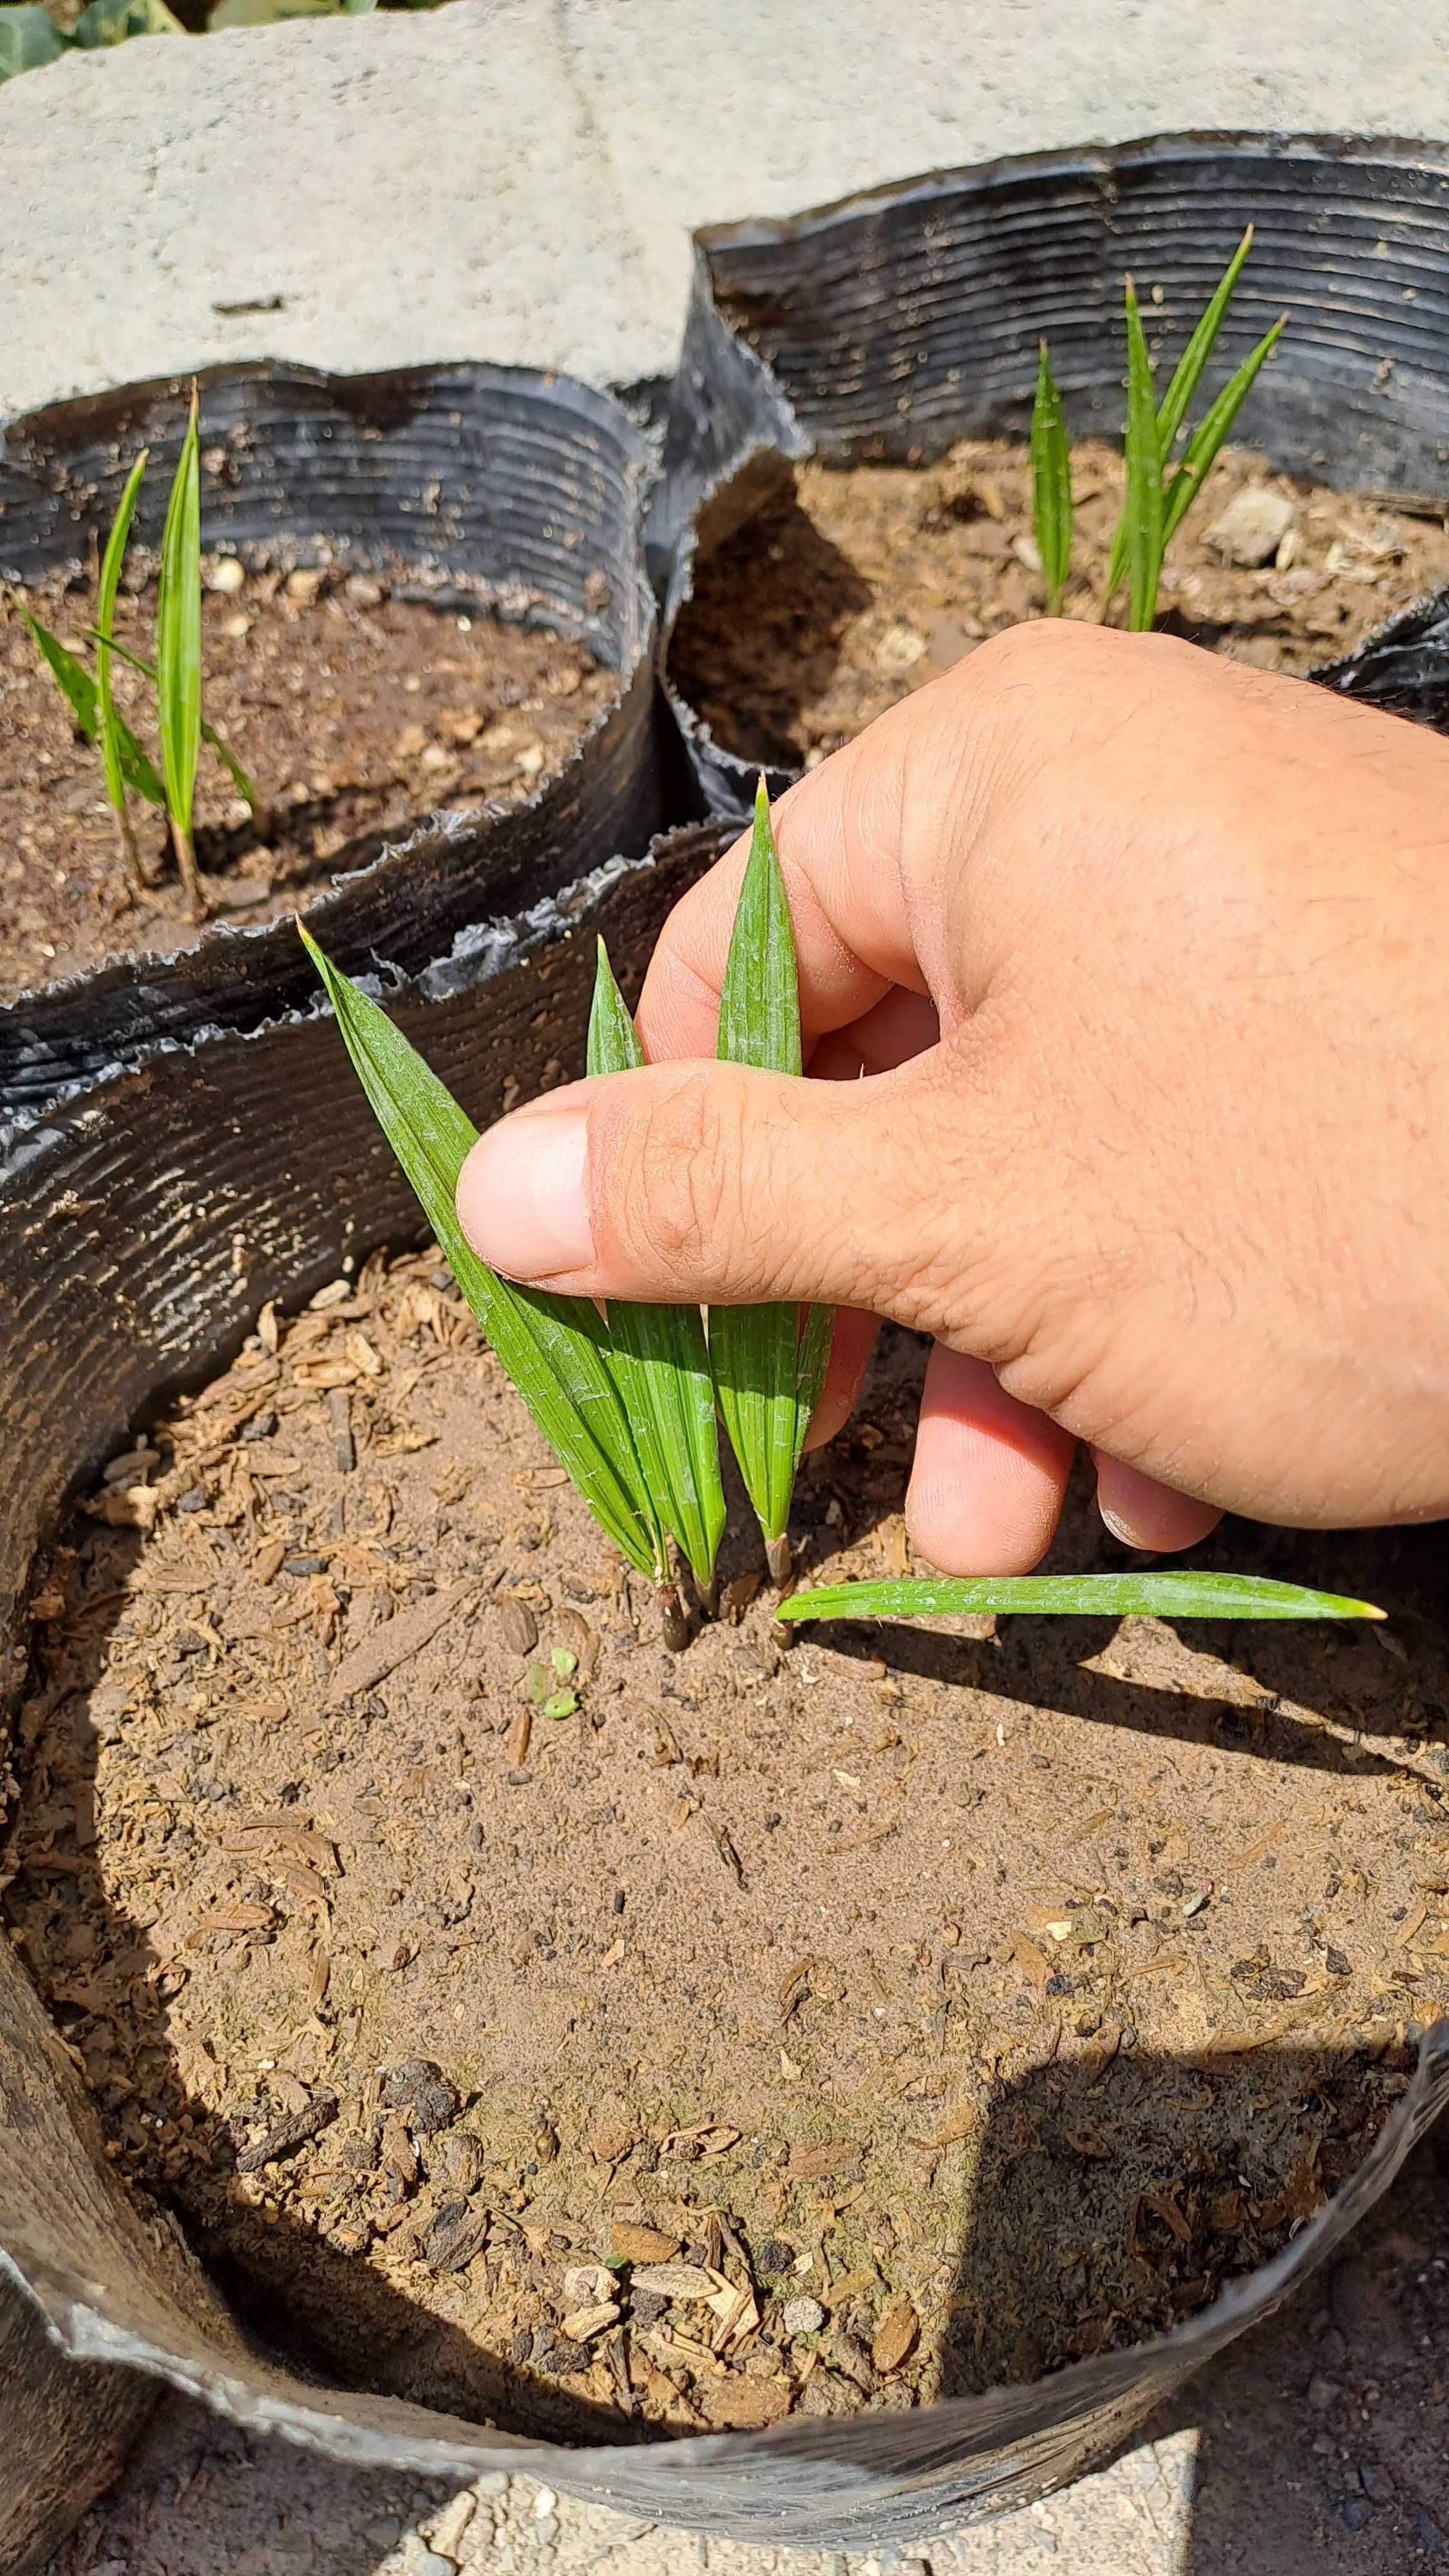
(673, 1190)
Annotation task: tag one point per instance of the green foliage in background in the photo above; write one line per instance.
(31, 37)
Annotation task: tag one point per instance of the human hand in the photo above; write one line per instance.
(1141, 957)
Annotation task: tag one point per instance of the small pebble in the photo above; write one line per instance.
(803, 2316)
(1355, 2511)
(1252, 527)
(1322, 2393)
(419, 2082)
(227, 576)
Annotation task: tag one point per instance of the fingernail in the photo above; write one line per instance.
(522, 1200)
(1117, 1527)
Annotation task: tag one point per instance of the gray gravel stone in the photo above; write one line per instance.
(802, 2316)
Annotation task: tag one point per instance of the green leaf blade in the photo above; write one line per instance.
(1186, 374)
(1077, 1596)
(209, 734)
(29, 38)
(1051, 484)
(83, 697)
(111, 563)
(1212, 430)
(661, 1362)
(178, 631)
(1142, 514)
(756, 1353)
(554, 1349)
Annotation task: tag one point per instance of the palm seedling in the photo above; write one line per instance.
(1161, 486)
(627, 1399)
(175, 676)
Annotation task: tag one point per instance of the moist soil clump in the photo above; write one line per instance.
(352, 711)
(854, 585)
(547, 2028)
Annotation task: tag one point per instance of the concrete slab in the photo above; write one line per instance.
(516, 179)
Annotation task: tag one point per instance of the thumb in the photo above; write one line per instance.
(713, 1183)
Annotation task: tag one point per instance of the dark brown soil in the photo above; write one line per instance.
(854, 587)
(351, 711)
(947, 2005)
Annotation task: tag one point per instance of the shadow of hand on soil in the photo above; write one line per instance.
(1289, 1662)
(1319, 2440)
(307, 2302)
(1129, 2187)
(753, 649)
(1141, 2188)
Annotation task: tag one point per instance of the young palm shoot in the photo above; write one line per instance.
(92, 703)
(1077, 1596)
(1180, 485)
(768, 1371)
(111, 752)
(1213, 429)
(84, 700)
(555, 1349)
(178, 655)
(260, 812)
(1051, 484)
(1142, 517)
(661, 1362)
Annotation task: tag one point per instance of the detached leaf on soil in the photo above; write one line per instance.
(553, 1348)
(768, 1373)
(660, 1359)
(1078, 1596)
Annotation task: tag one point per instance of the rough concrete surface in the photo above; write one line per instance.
(516, 179)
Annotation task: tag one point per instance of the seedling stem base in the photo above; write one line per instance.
(186, 862)
(673, 1618)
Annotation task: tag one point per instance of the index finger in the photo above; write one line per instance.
(839, 834)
